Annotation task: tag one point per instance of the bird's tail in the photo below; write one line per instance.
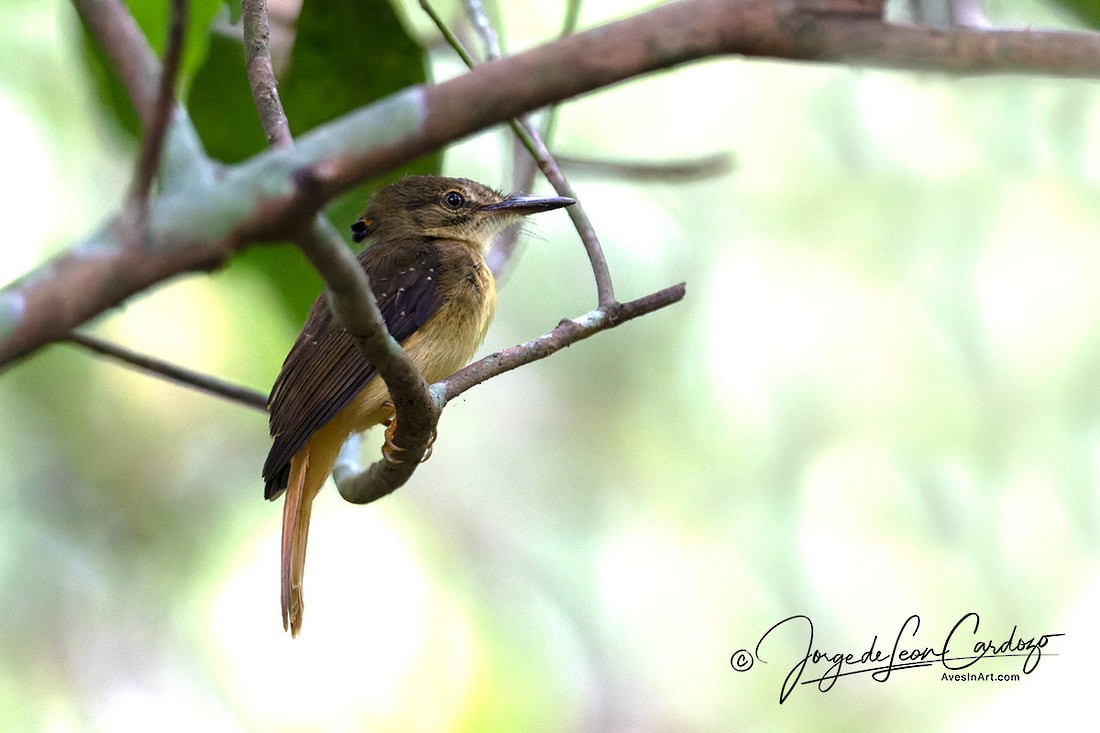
(296, 510)
(306, 479)
(309, 469)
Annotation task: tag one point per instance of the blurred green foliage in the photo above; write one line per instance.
(152, 19)
(329, 72)
(1088, 11)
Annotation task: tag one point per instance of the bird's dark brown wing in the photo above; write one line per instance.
(325, 369)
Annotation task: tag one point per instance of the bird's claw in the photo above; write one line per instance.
(390, 448)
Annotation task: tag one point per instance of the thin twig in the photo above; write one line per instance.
(171, 372)
(261, 75)
(568, 26)
(567, 333)
(605, 290)
(572, 17)
(688, 169)
(485, 29)
(350, 296)
(363, 487)
(531, 139)
(126, 50)
(129, 54)
(448, 34)
(524, 166)
(152, 142)
(524, 169)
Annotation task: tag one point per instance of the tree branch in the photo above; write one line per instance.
(524, 164)
(152, 142)
(605, 290)
(127, 52)
(484, 27)
(528, 134)
(362, 487)
(278, 191)
(350, 296)
(261, 75)
(661, 171)
(352, 302)
(165, 370)
(567, 333)
(383, 477)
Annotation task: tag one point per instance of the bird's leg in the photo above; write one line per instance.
(390, 448)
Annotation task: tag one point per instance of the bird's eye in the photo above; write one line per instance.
(454, 199)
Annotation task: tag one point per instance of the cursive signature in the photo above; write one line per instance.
(961, 648)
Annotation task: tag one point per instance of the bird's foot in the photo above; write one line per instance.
(390, 449)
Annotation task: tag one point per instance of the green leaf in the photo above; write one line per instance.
(109, 92)
(1087, 11)
(222, 111)
(348, 53)
(330, 73)
(286, 269)
(234, 10)
(220, 103)
(152, 18)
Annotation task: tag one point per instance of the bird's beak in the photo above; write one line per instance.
(520, 205)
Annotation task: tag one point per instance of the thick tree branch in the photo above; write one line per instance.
(280, 190)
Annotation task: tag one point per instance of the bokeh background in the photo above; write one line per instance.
(881, 397)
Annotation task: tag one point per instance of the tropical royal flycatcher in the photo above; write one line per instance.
(428, 237)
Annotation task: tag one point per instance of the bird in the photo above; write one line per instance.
(425, 259)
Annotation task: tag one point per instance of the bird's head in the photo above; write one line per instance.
(446, 208)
